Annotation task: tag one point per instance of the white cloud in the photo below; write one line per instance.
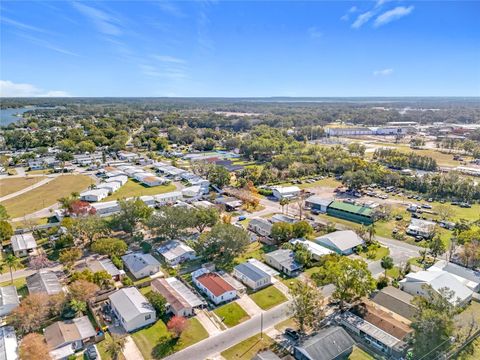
(22, 26)
(315, 33)
(383, 72)
(362, 19)
(170, 8)
(352, 9)
(104, 22)
(169, 59)
(163, 72)
(11, 89)
(393, 14)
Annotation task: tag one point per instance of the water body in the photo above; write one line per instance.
(11, 115)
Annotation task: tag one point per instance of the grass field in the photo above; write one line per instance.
(39, 172)
(375, 253)
(248, 348)
(46, 195)
(359, 354)
(133, 188)
(232, 314)
(255, 250)
(268, 297)
(11, 185)
(155, 342)
(20, 284)
(103, 353)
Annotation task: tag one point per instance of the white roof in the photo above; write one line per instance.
(95, 192)
(423, 225)
(8, 343)
(174, 249)
(137, 261)
(270, 271)
(468, 277)
(130, 303)
(342, 240)
(312, 247)
(287, 189)
(105, 205)
(8, 296)
(315, 199)
(23, 242)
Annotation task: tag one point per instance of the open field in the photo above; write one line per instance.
(232, 314)
(268, 297)
(46, 195)
(359, 354)
(11, 185)
(248, 348)
(133, 188)
(156, 342)
(255, 250)
(38, 172)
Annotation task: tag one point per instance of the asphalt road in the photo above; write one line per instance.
(228, 338)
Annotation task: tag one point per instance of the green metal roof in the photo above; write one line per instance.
(356, 209)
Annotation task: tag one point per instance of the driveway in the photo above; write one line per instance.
(249, 305)
(400, 251)
(131, 350)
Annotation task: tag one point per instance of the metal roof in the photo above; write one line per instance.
(351, 208)
(23, 242)
(44, 281)
(8, 295)
(138, 261)
(328, 344)
(251, 271)
(130, 303)
(8, 343)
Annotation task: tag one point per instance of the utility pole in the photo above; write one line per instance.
(261, 325)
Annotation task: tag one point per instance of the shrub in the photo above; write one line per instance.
(146, 247)
(382, 282)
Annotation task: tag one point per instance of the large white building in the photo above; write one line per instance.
(132, 308)
(285, 192)
(342, 242)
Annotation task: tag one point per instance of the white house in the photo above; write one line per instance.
(111, 186)
(106, 208)
(175, 252)
(141, 265)
(252, 276)
(469, 277)
(168, 198)
(148, 200)
(284, 261)
(192, 191)
(422, 228)
(122, 179)
(9, 347)
(22, 244)
(342, 242)
(317, 251)
(213, 286)
(8, 300)
(153, 181)
(418, 283)
(285, 192)
(127, 156)
(260, 226)
(132, 308)
(94, 195)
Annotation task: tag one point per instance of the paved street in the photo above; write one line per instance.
(218, 343)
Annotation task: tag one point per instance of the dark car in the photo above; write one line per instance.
(399, 217)
(91, 352)
(292, 334)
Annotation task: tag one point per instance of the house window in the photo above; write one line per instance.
(148, 317)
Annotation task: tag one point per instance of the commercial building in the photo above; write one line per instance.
(317, 203)
(132, 308)
(285, 192)
(359, 214)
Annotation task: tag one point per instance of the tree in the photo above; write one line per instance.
(445, 212)
(80, 208)
(31, 314)
(68, 256)
(203, 217)
(114, 346)
(176, 325)
(281, 232)
(351, 278)
(12, 262)
(171, 222)
(387, 264)
(222, 244)
(33, 346)
(89, 228)
(83, 290)
(110, 246)
(371, 230)
(132, 212)
(307, 306)
(433, 323)
(102, 279)
(218, 176)
(436, 247)
(3, 213)
(77, 306)
(6, 230)
(301, 229)
(158, 302)
(40, 261)
(283, 202)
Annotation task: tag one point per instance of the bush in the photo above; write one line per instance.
(126, 281)
(117, 262)
(265, 192)
(382, 282)
(146, 247)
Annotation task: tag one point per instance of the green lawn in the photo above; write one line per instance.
(133, 188)
(232, 314)
(155, 342)
(289, 323)
(103, 353)
(46, 195)
(11, 185)
(375, 253)
(268, 297)
(20, 284)
(359, 354)
(248, 348)
(255, 250)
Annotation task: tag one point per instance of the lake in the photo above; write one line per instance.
(10, 115)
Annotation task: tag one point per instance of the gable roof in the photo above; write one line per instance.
(8, 296)
(318, 200)
(103, 265)
(23, 242)
(311, 247)
(176, 293)
(214, 283)
(261, 223)
(351, 208)
(8, 343)
(174, 249)
(130, 303)
(64, 332)
(251, 271)
(469, 277)
(342, 240)
(44, 281)
(396, 300)
(327, 344)
(285, 257)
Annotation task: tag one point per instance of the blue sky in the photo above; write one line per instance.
(248, 48)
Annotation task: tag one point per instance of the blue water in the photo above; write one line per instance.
(9, 115)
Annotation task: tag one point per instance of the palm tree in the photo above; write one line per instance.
(387, 264)
(12, 262)
(283, 202)
(371, 232)
(114, 346)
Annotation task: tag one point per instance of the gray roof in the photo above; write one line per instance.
(8, 295)
(261, 223)
(44, 281)
(343, 240)
(266, 355)
(284, 257)
(327, 344)
(23, 242)
(137, 261)
(454, 269)
(318, 200)
(8, 343)
(130, 303)
(103, 265)
(396, 300)
(251, 271)
(174, 249)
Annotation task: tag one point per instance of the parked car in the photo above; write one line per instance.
(399, 217)
(465, 205)
(292, 334)
(241, 218)
(91, 352)
(426, 206)
(418, 238)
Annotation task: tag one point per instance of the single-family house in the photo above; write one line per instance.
(122, 179)
(8, 300)
(106, 208)
(283, 218)
(149, 200)
(423, 228)
(284, 261)
(342, 242)
(153, 180)
(8, 343)
(168, 198)
(111, 186)
(181, 301)
(141, 265)
(132, 309)
(22, 244)
(266, 355)
(317, 203)
(396, 301)
(213, 286)
(329, 343)
(230, 203)
(127, 156)
(105, 264)
(64, 338)
(260, 227)
(317, 251)
(175, 252)
(192, 191)
(94, 195)
(44, 281)
(285, 192)
(252, 276)
(469, 277)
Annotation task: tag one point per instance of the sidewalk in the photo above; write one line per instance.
(207, 323)
(27, 189)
